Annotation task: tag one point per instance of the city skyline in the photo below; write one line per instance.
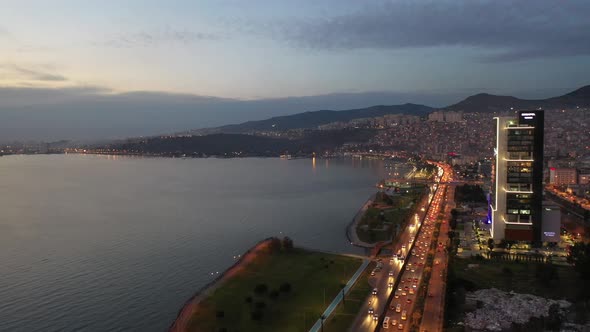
(103, 70)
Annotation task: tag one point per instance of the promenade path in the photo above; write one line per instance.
(351, 229)
(318, 325)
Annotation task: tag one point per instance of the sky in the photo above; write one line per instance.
(102, 69)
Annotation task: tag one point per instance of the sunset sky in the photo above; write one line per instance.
(432, 52)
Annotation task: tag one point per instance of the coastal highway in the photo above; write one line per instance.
(405, 294)
(389, 273)
(401, 308)
(433, 314)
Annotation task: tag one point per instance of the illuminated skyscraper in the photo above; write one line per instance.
(517, 194)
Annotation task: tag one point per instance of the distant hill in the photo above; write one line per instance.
(318, 118)
(484, 102)
(241, 145)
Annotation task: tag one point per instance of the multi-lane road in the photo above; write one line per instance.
(401, 309)
(390, 277)
(385, 278)
(433, 314)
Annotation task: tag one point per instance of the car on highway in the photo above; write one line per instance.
(386, 322)
(400, 326)
(390, 284)
(398, 308)
(373, 273)
(391, 273)
(396, 295)
(371, 310)
(411, 291)
(409, 300)
(404, 315)
(375, 317)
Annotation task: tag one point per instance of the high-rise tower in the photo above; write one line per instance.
(517, 194)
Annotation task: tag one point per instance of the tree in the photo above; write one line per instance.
(491, 244)
(579, 256)
(260, 289)
(287, 243)
(275, 244)
(256, 315)
(285, 287)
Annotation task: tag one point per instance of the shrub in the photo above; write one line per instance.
(287, 243)
(220, 314)
(260, 305)
(256, 315)
(248, 299)
(275, 244)
(260, 289)
(273, 294)
(285, 287)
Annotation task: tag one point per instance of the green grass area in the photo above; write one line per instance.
(344, 315)
(372, 236)
(309, 274)
(375, 227)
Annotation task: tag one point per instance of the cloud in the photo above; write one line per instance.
(15, 72)
(504, 30)
(166, 35)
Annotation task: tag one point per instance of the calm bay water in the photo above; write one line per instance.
(97, 243)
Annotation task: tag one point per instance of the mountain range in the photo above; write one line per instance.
(482, 102)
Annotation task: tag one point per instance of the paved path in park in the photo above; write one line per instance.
(318, 325)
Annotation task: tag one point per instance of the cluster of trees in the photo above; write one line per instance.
(470, 193)
(276, 244)
(383, 198)
(579, 256)
(257, 302)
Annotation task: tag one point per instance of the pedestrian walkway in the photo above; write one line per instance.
(351, 229)
(318, 325)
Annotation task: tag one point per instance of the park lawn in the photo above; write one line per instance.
(308, 273)
(396, 216)
(344, 315)
(490, 274)
(378, 236)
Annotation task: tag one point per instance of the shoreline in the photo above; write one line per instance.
(182, 319)
(351, 234)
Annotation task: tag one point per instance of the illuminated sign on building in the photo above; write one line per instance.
(528, 116)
